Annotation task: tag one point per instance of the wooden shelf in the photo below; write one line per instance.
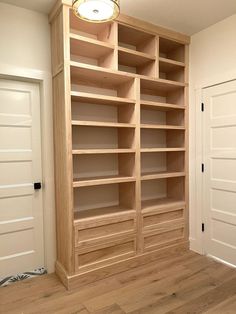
(89, 47)
(101, 180)
(160, 150)
(161, 85)
(102, 124)
(100, 99)
(102, 151)
(167, 65)
(162, 127)
(104, 212)
(161, 204)
(161, 175)
(95, 74)
(133, 58)
(151, 105)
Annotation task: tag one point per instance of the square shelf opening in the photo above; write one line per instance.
(136, 40)
(93, 111)
(96, 81)
(136, 62)
(92, 53)
(172, 50)
(172, 72)
(173, 117)
(103, 166)
(104, 32)
(163, 162)
(86, 137)
(160, 192)
(152, 138)
(101, 200)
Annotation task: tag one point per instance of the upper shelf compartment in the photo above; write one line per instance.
(137, 51)
(104, 32)
(136, 40)
(91, 51)
(171, 50)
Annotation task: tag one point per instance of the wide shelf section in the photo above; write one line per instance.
(102, 124)
(162, 127)
(101, 151)
(103, 212)
(161, 175)
(92, 181)
(102, 200)
(92, 51)
(161, 149)
(161, 204)
(90, 98)
(159, 106)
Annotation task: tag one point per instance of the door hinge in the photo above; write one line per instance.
(203, 227)
(202, 107)
(203, 167)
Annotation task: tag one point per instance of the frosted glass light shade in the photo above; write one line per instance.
(96, 11)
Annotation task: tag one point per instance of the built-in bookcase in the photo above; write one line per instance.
(121, 143)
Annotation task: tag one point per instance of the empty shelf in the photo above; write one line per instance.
(161, 175)
(161, 204)
(101, 180)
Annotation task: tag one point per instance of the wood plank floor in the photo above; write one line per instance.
(187, 283)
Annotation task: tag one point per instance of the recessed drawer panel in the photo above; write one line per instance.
(154, 241)
(105, 254)
(102, 232)
(157, 218)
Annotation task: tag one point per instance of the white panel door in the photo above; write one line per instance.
(219, 188)
(21, 211)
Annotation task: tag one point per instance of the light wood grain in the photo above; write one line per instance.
(104, 113)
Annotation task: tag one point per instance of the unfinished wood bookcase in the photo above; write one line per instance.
(121, 144)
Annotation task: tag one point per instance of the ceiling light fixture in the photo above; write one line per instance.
(96, 11)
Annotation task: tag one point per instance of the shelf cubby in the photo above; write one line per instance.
(161, 117)
(162, 163)
(96, 169)
(90, 110)
(137, 40)
(104, 32)
(162, 139)
(95, 80)
(166, 95)
(92, 137)
(136, 62)
(171, 70)
(92, 52)
(164, 192)
(96, 201)
(171, 50)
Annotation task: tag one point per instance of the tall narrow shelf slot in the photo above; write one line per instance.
(120, 94)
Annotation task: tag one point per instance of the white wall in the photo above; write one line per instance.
(25, 54)
(212, 60)
(25, 38)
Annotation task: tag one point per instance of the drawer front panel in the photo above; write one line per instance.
(158, 218)
(105, 255)
(102, 232)
(155, 241)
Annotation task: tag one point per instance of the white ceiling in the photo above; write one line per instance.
(186, 16)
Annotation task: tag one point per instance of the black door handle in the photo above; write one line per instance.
(37, 185)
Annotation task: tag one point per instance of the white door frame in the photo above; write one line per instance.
(196, 143)
(44, 79)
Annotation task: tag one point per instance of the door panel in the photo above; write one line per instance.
(21, 211)
(219, 184)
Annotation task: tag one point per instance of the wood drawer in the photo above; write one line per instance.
(105, 253)
(163, 236)
(99, 230)
(152, 220)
